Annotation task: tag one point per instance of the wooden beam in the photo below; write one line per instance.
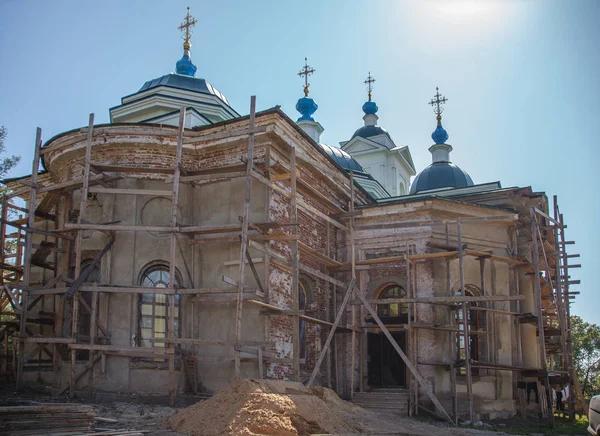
(321, 258)
(81, 373)
(508, 260)
(121, 349)
(400, 259)
(217, 240)
(548, 217)
(338, 318)
(200, 136)
(92, 356)
(244, 238)
(79, 249)
(274, 237)
(223, 298)
(295, 263)
(255, 260)
(485, 219)
(465, 320)
(27, 260)
(300, 313)
(449, 300)
(172, 256)
(48, 340)
(211, 229)
(4, 217)
(130, 169)
(352, 247)
(152, 192)
(254, 272)
(89, 268)
(538, 303)
(278, 177)
(73, 184)
(119, 228)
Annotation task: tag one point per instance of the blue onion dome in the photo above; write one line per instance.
(185, 66)
(370, 108)
(439, 135)
(306, 106)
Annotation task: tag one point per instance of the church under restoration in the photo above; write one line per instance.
(184, 245)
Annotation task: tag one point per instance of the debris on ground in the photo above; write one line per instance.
(46, 418)
(268, 407)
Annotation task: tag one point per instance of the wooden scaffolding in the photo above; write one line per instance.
(47, 215)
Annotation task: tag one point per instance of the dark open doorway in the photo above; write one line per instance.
(386, 367)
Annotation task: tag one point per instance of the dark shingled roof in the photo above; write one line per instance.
(180, 81)
(368, 131)
(440, 175)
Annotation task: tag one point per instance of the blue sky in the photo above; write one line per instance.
(521, 77)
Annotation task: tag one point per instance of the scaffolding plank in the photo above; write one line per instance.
(130, 191)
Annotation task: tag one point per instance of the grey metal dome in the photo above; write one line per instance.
(440, 175)
(188, 83)
(343, 159)
(368, 131)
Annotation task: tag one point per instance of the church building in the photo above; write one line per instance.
(184, 245)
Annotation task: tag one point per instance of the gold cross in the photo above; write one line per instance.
(306, 71)
(439, 100)
(369, 82)
(187, 24)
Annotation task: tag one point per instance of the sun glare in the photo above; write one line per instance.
(458, 21)
(464, 9)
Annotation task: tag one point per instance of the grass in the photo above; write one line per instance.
(561, 427)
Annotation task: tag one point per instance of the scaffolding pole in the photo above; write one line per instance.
(27, 261)
(540, 320)
(244, 239)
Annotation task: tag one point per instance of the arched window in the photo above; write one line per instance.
(154, 308)
(393, 310)
(85, 316)
(94, 276)
(302, 294)
(474, 324)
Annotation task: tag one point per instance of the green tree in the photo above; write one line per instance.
(6, 163)
(586, 355)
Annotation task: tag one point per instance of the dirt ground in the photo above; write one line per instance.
(152, 418)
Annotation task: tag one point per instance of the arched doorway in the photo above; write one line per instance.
(385, 367)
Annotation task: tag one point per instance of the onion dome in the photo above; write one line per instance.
(306, 106)
(441, 173)
(370, 108)
(439, 135)
(185, 66)
(370, 118)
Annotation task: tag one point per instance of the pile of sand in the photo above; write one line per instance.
(267, 407)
